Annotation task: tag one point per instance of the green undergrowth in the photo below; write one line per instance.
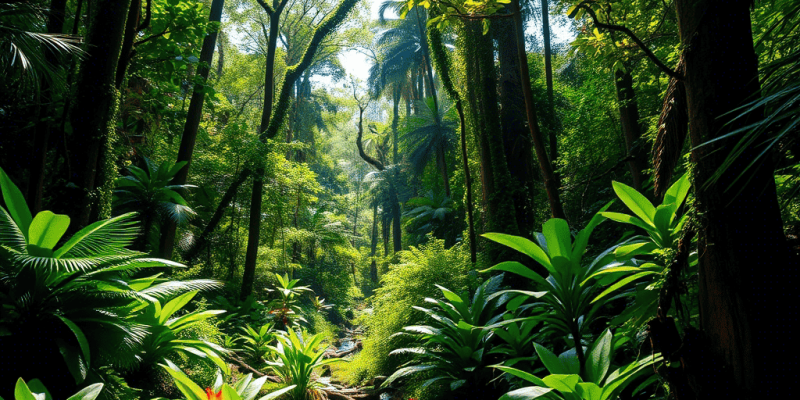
(406, 284)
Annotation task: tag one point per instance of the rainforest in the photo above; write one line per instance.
(399, 199)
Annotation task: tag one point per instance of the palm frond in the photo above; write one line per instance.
(10, 234)
(110, 236)
(173, 288)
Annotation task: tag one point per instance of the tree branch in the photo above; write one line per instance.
(147, 15)
(630, 34)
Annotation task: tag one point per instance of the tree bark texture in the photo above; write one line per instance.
(480, 93)
(747, 276)
(95, 106)
(516, 139)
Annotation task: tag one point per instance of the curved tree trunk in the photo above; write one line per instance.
(189, 137)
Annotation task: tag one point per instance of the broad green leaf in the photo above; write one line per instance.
(676, 193)
(520, 374)
(22, 392)
(611, 271)
(37, 387)
(622, 283)
(519, 269)
(637, 203)
(598, 359)
(589, 391)
(559, 241)
(553, 363)
(250, 388)
(628, 219)
(88, 231)
(47, 229)
(564, 383)
(174, 305)
(88, 393)
(184, 384)
(663, 221)
(278, 393)
(528, 393)
(523, 246)
(229, 394)
(15, 204)
(82, 342)
(634, 249)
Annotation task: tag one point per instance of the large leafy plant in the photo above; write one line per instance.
(567, 306)
(286, 307)
(246, 388)
(453, 349)
(256, 341)
(299, 356)
(661, 223)
(83, 284)
(150, 193)
(642, 260)
(568, 381)
(164, 327)
(428, 215)
(35, 390)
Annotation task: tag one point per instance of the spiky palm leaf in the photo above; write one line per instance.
(85, 284)
(148, 191)
(23, 44)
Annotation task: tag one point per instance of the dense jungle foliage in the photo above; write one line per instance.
(398, 199)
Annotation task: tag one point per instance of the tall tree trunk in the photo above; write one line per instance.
(629, 119)
(95, 106)
(747, 277)
(127, 53)
(444, 65)
(480, 91)
(55, 24)
(550, 180)
(516, 138)
(271, 121)
(220, 52)
(193, 117)
(386, 227)
(254, 227)
(548, 73)
(373, 266)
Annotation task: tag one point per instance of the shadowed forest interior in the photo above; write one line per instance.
(398, 199)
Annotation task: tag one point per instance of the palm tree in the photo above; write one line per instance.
(430, 139)
(149, 192)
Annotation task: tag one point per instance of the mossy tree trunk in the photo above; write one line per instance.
(93, 113)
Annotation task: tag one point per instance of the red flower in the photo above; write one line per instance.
(213, 396)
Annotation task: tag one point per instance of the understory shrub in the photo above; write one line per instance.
(406, 284)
